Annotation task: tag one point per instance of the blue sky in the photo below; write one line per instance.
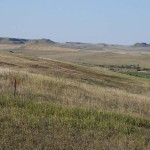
(94, 21)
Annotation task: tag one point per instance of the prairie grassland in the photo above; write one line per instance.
(104, 58)
(9, 46)
(109, 55)
(88, 58)
(60, 105)
(72, 93)
(26, 124)
(46, 47)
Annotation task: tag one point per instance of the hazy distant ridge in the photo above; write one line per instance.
(141, 45)
(24, 41)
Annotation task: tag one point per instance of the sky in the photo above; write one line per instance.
(91, 21)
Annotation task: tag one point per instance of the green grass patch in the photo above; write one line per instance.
(139, 74)
(28, 124)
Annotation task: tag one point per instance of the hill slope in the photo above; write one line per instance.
(52, 104)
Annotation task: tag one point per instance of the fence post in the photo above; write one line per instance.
(15, 87)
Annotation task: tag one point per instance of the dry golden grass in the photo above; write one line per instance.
(70, 92)
(88, 75)
(9, 46)
(46, 47)
(89, 57)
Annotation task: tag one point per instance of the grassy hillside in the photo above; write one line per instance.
(58, 105)
(85, 54)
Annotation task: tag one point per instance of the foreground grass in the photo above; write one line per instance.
(26, 124)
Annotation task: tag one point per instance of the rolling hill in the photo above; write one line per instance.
(46, 103)
(76, 45)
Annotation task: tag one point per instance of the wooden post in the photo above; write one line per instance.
(15, 87)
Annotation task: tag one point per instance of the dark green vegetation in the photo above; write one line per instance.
(139, 74)
(132, 70)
